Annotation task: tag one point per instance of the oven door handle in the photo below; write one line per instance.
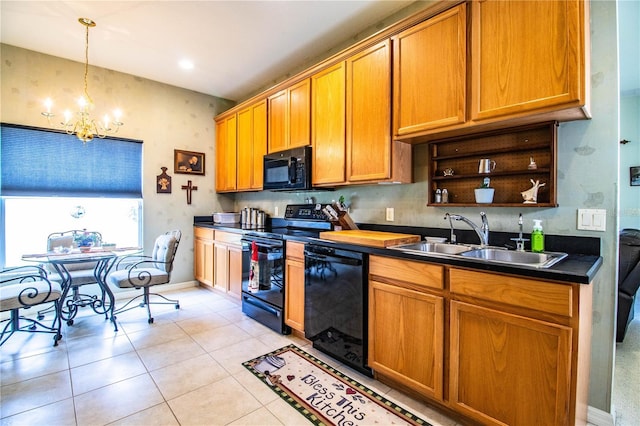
(262, 306)
(262, 244)
(334, 259)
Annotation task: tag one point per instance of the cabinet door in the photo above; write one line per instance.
(203, 255)
(235, 270)
(299, 114)
(252, 145)
(226, 155)
(369, 114)
(406, 337)
(294, 294)
(278, 138)
(221, 267)
(245, 149)
(508, 369)
(430, 73)
(328, 125)
(259, 143)
(527, 56)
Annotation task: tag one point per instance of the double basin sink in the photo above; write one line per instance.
(483, 254)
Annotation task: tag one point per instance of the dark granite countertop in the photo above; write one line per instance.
(580, 266)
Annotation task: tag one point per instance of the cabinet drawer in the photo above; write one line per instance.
(228, 237)
(420, 273)
(295, 250)
(521, 292)
(205, 233)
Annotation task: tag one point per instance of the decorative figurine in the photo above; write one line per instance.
(531, 195)
(448, 172)
(532, 164)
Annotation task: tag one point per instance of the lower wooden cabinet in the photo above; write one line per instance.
(294, 286)
(497, 349)
(509, 369)
(406, 324)
(228, 263)
(203, 255)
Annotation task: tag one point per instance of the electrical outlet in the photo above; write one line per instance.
(390, 214)
(275, 211)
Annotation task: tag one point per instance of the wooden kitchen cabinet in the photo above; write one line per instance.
(351, 125)
(406, 324)
(228, 263)
(289, 116)
(203, 255)
(252, 146)
(528, 57)
(328, 97)
(294, 286)
(512, 150)
(226, 139)
(429, 73)
(519, 349)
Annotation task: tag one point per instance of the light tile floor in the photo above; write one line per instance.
(184, 369)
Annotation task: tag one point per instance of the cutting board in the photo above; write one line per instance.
(369, 238)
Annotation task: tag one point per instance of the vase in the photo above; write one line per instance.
(484, 195)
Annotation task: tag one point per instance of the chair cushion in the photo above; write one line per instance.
(27, 294)
(78, 277)
(163, 251)
(138, 277)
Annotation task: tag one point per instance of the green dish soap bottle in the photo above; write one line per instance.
(537, 237)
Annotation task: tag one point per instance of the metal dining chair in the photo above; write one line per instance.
(24, 287)
(144, 272)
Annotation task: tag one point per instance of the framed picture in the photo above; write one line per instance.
(163, 182)
(188, 162)
(634, 176)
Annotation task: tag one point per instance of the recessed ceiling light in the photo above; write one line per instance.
(186, 64)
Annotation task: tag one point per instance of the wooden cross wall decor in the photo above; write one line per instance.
(189, 188)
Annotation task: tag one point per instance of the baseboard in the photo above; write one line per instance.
(598, 417)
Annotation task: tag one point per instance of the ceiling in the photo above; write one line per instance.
(236, 46)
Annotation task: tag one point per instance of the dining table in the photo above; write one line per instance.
(102, 260)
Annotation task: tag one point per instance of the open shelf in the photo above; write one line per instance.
(512, 150)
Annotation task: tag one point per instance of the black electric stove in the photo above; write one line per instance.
(265, 302)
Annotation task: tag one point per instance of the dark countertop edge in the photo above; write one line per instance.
(576, 268)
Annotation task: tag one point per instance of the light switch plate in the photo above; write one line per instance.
(592, 219)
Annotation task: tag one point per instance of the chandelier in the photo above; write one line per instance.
(84, 126)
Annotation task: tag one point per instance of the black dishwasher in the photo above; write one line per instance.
(335, 308)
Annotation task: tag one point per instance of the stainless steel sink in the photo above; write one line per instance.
(521, 258)
(425, 247)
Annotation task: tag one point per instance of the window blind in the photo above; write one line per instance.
(42, 162)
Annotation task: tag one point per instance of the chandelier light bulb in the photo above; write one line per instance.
(85, 128)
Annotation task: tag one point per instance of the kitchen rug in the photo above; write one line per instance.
(324, 395)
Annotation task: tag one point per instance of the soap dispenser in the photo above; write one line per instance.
(537, 237)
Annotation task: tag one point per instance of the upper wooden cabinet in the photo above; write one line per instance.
(289, 117)
(351, 122)
(371, 154)
(226, 132)
(429, 73)
(328, 117)
(252, 146)
(528, 57)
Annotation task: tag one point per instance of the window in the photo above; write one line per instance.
(52, 182)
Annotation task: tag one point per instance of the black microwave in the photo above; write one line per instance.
(288, 170)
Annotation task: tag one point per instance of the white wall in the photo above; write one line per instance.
(163, 116)
(629, 157)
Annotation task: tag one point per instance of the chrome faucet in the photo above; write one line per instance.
(482, 230)
(520, 241)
